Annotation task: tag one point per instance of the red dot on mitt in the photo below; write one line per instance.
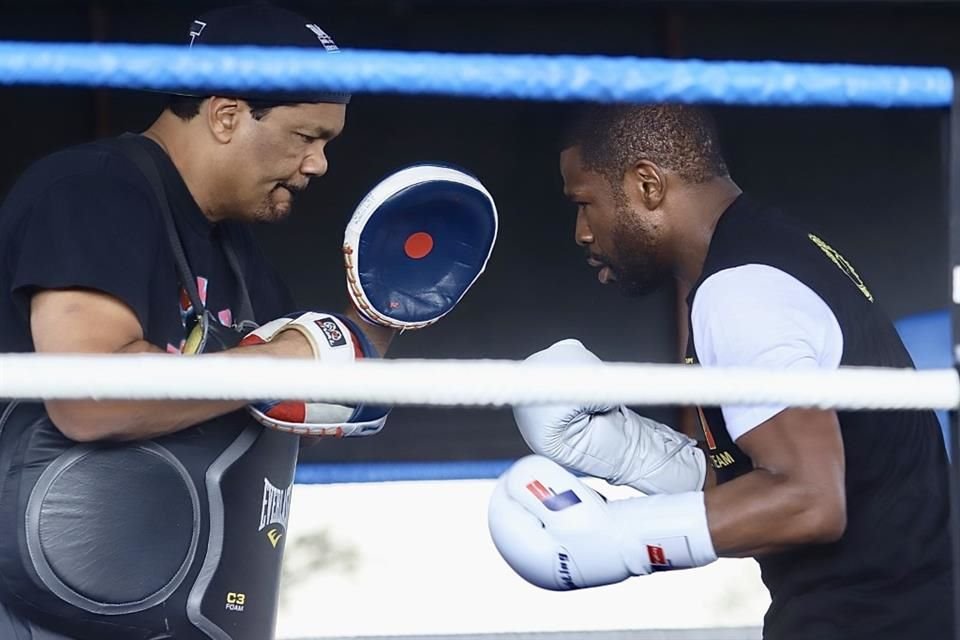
(418, 245)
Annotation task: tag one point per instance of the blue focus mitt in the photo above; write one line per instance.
(416, 243)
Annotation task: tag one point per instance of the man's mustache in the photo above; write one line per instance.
(294, 189)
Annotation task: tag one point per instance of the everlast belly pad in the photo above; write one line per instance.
(177, 537)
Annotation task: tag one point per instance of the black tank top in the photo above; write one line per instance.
(889, 576)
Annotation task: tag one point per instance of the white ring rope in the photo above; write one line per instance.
(465, 382)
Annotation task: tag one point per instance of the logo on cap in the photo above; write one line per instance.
(324, 39)
(196, 29)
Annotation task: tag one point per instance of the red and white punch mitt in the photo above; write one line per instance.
(333, 339)
(416, 243)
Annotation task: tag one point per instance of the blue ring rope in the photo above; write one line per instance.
(527, 77)
(338, 472)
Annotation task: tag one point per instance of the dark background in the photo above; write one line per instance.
(870, 181)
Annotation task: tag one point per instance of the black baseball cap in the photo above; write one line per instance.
(262, 24)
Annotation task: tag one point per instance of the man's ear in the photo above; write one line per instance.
(223, 117)
(645, 183)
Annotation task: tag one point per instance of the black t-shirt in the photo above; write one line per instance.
(87, 217)
(889, 575)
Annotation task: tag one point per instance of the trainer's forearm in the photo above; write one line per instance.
(378, 335)
(91, 420)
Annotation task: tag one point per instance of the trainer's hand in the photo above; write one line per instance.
(612, 443)
(332, 338)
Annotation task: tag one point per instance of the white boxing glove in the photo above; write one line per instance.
(557, 533)
(612, 443)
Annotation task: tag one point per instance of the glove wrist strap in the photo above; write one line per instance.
(664, 532)
(329, 337)
(659, 459)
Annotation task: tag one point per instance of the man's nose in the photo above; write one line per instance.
(314, 164)
(582, 234)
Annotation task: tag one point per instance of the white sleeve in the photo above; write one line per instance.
(759, 316)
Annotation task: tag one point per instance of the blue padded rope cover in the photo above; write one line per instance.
(527, 77)
(927, 336)
(330, 473)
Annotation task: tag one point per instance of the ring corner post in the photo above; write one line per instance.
(952, 175)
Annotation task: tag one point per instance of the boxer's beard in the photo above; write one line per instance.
(638, 265)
